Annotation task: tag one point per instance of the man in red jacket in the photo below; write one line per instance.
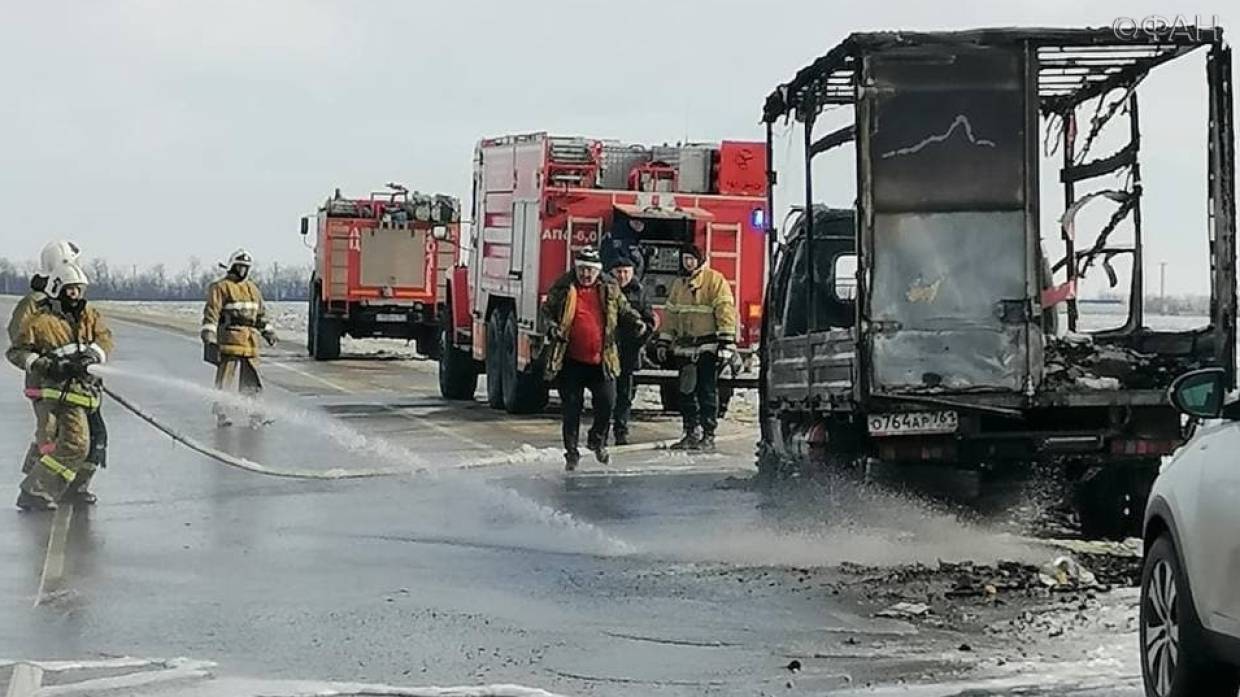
(582, 313)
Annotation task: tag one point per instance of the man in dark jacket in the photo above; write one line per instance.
(582, 313)
(623, 271)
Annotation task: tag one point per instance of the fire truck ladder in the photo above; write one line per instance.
(716, 232)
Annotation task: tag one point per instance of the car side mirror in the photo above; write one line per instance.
(305, 226)
(1199, 393)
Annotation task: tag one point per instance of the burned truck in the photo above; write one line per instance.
(934, 323)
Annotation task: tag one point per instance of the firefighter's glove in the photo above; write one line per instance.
(43, 365)
(269, 335)
(726, 355)
(208, 336)
(79, 365)
(661, 353)
(54, 367)
(555, 333)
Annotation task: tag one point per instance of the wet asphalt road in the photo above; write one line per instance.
(649, 578)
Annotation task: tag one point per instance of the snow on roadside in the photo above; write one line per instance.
(289, 319)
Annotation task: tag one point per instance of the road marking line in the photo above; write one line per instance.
(54, 562)
(312, 376)
(188, 671)
(25, 680)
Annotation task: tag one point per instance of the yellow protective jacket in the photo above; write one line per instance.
(33, 303)
(55, 334)
(700, 314)
(235, 316)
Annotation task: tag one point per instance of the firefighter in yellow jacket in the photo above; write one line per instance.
(700, 335)
(34, 302)
(232, 322)
(56, 347)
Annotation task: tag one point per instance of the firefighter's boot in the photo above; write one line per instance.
(600, 453)
(222, 419)
(690, 441)
(707, 443)
(78, 491)
(258, 421)
(571, 458)
(35, 501)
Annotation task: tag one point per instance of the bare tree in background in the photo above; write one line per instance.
(278, 281)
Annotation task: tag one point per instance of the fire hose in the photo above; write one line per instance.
(241, 463)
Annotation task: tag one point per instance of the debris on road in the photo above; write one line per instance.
(1067, 573)
(905, 611)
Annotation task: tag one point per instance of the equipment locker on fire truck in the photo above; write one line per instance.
(538, 198)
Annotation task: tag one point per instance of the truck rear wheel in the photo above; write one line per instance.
(1110, 499)
(495, 358)
(457, 376)
(312, 318)
(323, 338)
(524, 392)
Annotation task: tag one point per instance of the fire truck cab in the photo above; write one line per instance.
(537, 199)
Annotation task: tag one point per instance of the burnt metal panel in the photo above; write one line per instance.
(941, 296)
(1222, 219)
(833, 358)
(955, 118)
(1077, 63)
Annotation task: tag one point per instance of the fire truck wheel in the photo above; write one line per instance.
(495, 358)
(325, 333)
(311, 317)
(524, 392)
(457, 379)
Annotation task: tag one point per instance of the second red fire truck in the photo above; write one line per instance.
(538, 198)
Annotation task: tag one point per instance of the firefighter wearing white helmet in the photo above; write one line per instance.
(56, 347)
(232, 321)
(59, 252)
(34, 302)
(51, 256)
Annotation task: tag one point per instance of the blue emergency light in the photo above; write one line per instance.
(758, 219)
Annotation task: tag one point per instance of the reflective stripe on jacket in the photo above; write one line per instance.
(700, 312)
(57, 395)
(235, 315)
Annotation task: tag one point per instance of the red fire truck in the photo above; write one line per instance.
(538, 198)
(380, 268)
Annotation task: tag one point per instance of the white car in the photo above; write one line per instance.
(1190, 584)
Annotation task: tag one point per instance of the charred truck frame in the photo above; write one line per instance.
(951, 354)
(381, 266)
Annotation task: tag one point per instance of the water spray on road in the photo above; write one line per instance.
(845, 524)
(404, 462)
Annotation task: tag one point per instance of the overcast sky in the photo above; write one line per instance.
(155, 131)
